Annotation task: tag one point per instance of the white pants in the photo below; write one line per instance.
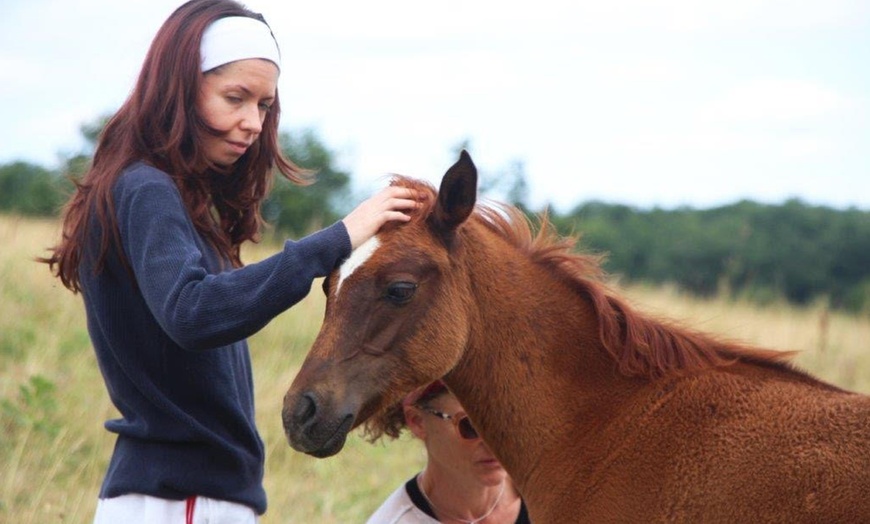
(144, 509)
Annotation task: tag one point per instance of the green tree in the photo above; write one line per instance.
(297, 210)
(29, 189)
(76, 165)
(793, 250)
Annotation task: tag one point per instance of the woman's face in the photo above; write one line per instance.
(234, 99)
(463, 458)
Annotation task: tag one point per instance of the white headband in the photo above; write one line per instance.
(237, 38)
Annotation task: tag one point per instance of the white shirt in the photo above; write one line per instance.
(399, 509)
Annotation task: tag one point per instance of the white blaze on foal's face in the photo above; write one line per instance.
(357, 258)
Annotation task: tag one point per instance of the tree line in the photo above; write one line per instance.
(793, 251)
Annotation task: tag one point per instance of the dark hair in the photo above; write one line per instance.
(160, 125)
(391, 421)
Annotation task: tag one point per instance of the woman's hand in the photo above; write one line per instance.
(391, 203)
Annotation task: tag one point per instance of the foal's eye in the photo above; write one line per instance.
(400, 292)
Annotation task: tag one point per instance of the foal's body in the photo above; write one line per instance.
(749, 441)
(600, 414)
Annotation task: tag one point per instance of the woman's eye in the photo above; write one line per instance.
(265, 108)
(233, 99)
(400, 292)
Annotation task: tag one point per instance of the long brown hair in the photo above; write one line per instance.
(160, 125)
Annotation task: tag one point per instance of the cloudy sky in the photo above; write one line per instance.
(642, 102)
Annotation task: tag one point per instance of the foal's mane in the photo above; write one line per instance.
(640, 345)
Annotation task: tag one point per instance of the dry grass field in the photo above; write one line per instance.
(53, 403)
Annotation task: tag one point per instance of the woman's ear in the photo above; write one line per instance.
(414, 421)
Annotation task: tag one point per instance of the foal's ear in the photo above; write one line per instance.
(457, 195)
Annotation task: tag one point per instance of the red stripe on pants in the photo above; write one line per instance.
(188, 513)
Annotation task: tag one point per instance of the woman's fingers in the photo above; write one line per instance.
(389, 204)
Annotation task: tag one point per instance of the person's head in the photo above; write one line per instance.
(202, 43)
(205, 110)
(240, 63)
(453, 446)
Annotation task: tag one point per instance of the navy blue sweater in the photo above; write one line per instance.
(171, 345)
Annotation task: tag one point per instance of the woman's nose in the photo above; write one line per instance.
(252, 119)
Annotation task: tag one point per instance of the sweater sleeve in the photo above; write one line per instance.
(197, 306)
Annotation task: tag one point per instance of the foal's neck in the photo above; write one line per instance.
(534, 366)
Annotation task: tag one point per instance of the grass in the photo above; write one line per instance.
(53, 403)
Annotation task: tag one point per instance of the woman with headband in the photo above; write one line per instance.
(151, 239)
(462, 481)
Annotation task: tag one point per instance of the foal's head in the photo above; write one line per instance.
(374, 346)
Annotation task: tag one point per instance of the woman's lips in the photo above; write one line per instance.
(238, 147)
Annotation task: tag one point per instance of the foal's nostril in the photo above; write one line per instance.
(305, 409)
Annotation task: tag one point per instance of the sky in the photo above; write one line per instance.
(647, 103)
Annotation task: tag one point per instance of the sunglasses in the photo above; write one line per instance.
(460, 421)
